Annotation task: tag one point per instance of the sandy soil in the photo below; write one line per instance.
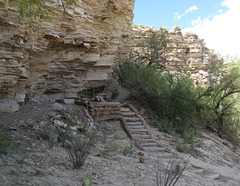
(35, 161)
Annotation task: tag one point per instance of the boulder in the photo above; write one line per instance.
(8, 105)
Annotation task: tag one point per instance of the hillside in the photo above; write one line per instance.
(35, 161)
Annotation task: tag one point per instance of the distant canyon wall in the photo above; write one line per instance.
(185, 53)
(62, 57)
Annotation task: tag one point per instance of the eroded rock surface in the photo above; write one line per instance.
(185, 53)
(62, 57)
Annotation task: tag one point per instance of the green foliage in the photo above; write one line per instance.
(176, 28)
(221, 98)
(44, 134)
(5, 142)
(183, 147)
(32, 10)
(78, 147)
(172, 99)
(127, 149)
(152, 48)
(87, 181)
(110, 149)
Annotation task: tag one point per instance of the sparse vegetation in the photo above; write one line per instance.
(87, 182)
(170, 174)
(151, 49)
(78, 147)
(5, 142)
(177, 28)
(110, 148)
(127, 149)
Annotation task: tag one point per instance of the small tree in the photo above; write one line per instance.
(224, 86)
(152, 47)
(177, 28)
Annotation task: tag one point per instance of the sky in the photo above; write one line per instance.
(215, 21)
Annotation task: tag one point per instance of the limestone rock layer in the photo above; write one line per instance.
(62, 57)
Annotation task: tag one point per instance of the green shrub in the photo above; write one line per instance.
(127, 149)
(5, 142)
(110, 149)
(183, 147)
(173, 100)
(78, 147)
(87, 181)
(222, 99)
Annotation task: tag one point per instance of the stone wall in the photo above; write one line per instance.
(185, 53)
(63, 57)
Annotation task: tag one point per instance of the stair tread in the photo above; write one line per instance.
(134, 123)
(128, 113)
(154, 149)
(149, 144)
(125, 109)
(141, 136)
(132, 119)
(139, 130)
(146, 140)
(136, 126)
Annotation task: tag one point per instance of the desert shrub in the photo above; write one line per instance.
(151, 48)
(222, 99)
(173, 100)
(110, 149)
(170, 174)
(176, 28)
(127, 150)
(87, 181)
(5, 142)
(78, 147)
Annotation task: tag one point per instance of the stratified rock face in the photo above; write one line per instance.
(185, 53)
(63, 57)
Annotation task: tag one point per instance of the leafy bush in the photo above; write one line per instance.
(87, 181)
(127, 149)
(172, 99)
(151, 48)
(176, 28)
(221, 97)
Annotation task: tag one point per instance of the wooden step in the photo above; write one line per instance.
(134, 123)
(136, 126)
(146, 141)
(139, 131)
(131, 119)
(154, 149)
(149, 144)
(125, 109)
(128, 113)
(141, 136)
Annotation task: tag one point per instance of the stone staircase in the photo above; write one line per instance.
(132, 122)
(137, 130)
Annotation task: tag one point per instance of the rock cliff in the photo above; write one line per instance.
(63, 57)
(184, 53)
